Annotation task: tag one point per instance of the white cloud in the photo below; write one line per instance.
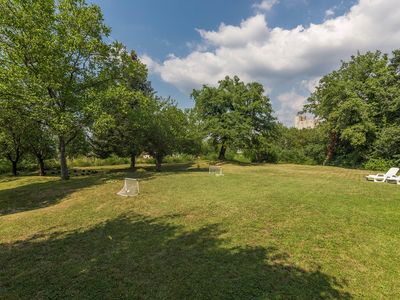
(265, 5)
(253, 29)
(310, 84)
(329, 12)
(284, 58)
(152, 65)
(291, 104)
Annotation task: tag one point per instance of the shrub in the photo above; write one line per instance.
(388, 143)
(84, 161)
(380, 164)
(179, 158)
(266, 154)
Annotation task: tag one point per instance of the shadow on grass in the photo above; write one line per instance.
(42, 194)
(136, 257)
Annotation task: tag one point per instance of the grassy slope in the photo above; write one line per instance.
(272, 231)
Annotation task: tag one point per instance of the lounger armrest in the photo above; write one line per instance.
(380, 179)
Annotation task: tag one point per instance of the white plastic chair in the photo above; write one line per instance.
(393, 179)
(391, 174)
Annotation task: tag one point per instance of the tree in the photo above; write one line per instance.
(55, 52)
(119, 125)
(166, 129)
(13, 134)
(387, 145)
(234, 114)
(302, 146)
(41, 144)
(354, 103)
(117, 116)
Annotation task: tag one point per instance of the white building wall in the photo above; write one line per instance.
(304, 122)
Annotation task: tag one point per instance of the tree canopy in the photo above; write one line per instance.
(355, 103)
(234, 114)
(54, 60)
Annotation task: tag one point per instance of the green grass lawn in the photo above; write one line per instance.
(259, 232)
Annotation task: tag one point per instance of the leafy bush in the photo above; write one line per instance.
(4, 166)
(294, 156)
(380, 164)
(179, 158)
(84, 161)
(388, 143)
(266, 154)
(240, 157)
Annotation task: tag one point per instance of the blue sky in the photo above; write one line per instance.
(165, 33)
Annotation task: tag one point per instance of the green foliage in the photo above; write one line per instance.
(354, 104)
(79, 146)
(54, 60)
(84, 161)
(387, 144)
(306, 146)
(119, 112)
(165, 130)
(234, 114)
(14, 133)
(265, 153)
(179, 158)
(380, 164)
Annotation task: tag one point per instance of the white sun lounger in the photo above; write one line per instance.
(393, 179)
(391, 174)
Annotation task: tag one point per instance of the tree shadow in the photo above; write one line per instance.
(41, 194)
(147, 172)
(175, 167)
(136, 257)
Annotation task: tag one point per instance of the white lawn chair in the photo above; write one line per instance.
(391, 174)
(130, 189)
(394, 179)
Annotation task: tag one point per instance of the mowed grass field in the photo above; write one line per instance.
(259, 232)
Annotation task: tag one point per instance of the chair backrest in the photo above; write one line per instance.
(392, 172)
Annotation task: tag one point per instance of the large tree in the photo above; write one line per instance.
(355, 103)
(234, 114)
(14, 131)
(54, 52)
(41, 144)
(165, 131)
(119, 109)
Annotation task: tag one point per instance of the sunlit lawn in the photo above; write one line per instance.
(259, 232)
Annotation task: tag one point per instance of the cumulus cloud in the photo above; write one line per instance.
(265, 5)
(253, 29)
(329, 12)
(291, 103)
(284, 58)
(310, 84)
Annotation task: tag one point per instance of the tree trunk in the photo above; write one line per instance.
(222, 151)
(331, 147)
(133, 161)
(14, 168)
(133, 157)
(63, 158)
(42, 170)
(158, 163)
(14, 162)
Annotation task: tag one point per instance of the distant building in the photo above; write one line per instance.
(304, 122)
